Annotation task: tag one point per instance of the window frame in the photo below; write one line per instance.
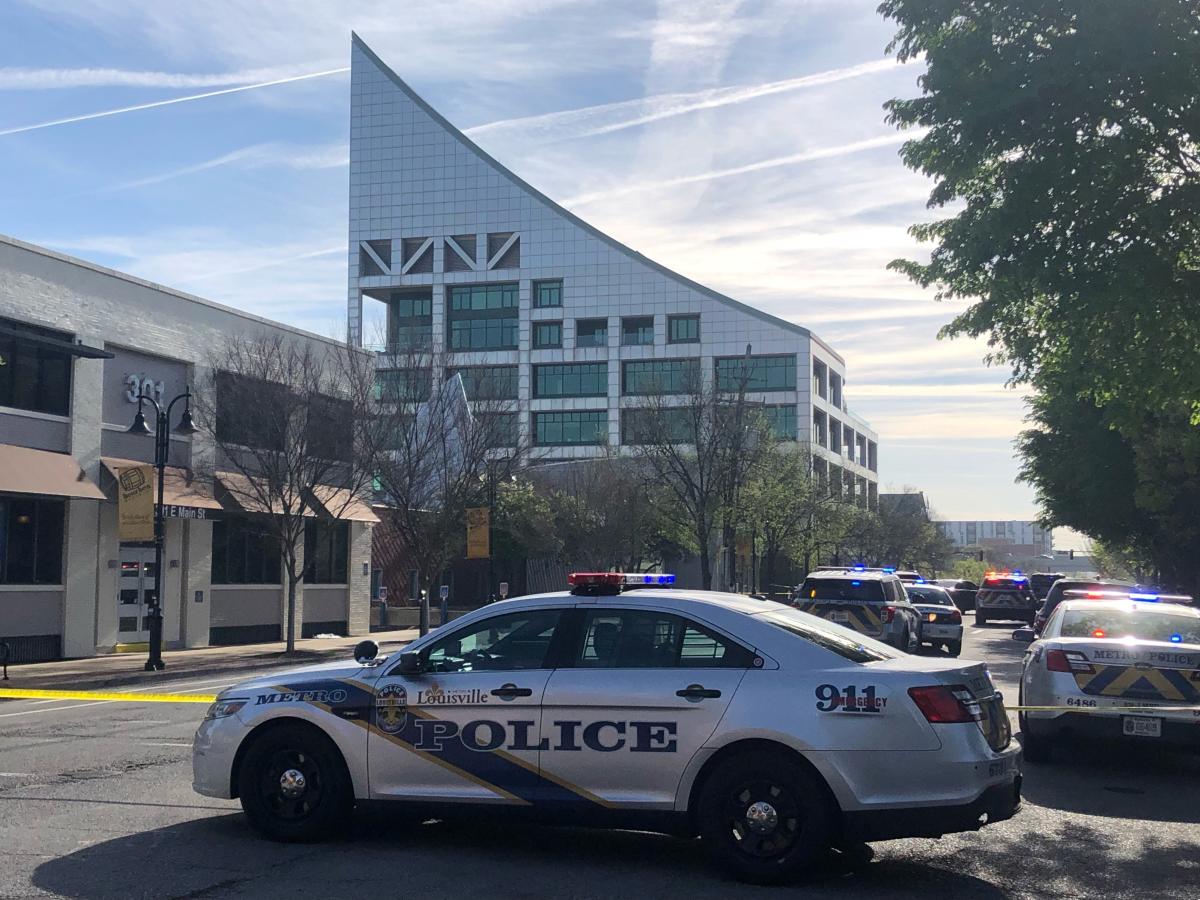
(600, 370)
(39, 522)
(535, 338)
(591, 321)
(335, 534)
(549, 661)
(625, 334)
(601, 414)
(242, 520)
(688, 366)
(674, 320)
(541, 283)
(16, 391)
(765, 359)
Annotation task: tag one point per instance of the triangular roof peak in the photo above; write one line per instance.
(360, 44)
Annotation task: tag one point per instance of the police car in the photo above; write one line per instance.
(872, 602)
(941, 623)
(1005, 595)
(770, 733)
(1117, 668)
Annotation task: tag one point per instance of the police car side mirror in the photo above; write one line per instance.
(1024, 635)
(410, 663)
(365, 651)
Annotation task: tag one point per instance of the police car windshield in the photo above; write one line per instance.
(1146, 626)
(816, 631)
(841, 589)
(928, 595)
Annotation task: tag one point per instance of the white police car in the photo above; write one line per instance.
(771, 733)
(1115, 668)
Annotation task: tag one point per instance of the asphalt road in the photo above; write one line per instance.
(95, 802)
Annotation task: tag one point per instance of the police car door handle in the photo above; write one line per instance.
(698, 692)
(511, 691)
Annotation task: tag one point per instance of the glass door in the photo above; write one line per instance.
(135, 593)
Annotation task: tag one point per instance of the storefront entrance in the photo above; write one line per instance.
(135, 593)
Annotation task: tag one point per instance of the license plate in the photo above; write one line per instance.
(1141, 726)
(842, 617)
(939, 630)
(1001, 766)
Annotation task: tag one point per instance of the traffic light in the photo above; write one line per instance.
(979, 555)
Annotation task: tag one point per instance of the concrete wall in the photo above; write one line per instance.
(38, 430)
(30, 610)
(324, 603)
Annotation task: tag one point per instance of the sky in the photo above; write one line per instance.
(741, 143)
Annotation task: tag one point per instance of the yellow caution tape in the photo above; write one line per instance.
(109, 696)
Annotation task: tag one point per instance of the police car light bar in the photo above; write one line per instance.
(615, 582)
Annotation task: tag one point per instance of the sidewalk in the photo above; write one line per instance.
(122, 669)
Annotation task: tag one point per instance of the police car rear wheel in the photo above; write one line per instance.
(764, 817)
(293, 785)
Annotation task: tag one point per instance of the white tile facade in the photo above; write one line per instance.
(413, 175)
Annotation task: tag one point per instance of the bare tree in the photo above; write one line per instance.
(699, 443)
(292, 422)
(445, 438)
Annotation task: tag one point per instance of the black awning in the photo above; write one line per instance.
(52, 343)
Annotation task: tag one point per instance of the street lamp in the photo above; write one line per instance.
(162, 452)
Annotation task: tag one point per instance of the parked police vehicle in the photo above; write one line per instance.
(872, 602)
(941, 620)
(771, 733)
(1041, 582)
(1005, 596)
(1116, 668)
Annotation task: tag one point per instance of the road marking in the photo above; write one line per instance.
(166, 744)
(50, 709)
(16, 774)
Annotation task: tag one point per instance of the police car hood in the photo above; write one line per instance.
(337, 670)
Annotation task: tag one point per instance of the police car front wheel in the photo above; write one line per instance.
(293, 784)
(764, 817)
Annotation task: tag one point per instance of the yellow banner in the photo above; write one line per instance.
(135, 504)
(479, 545)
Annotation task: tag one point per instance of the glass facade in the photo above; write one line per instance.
(637, 331)
(547, 335)
(501, 428)
(683, 329)
(244, 552)
(759, 373)
(782, 421)
(571, 380)
(31, 540)
(483, 317)
(646, 426)
(547, 294)
(410, 321)
(660, 376)
(488, 382)
(32, 377)
(570, 428)
(403, 385)
(326, 552)
(591, 332)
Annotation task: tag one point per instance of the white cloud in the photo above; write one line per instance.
(256, 156)
(14, 78)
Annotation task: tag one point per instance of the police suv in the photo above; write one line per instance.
(872, 602)
(1112, 668)
(770, 733)
(1005, 595)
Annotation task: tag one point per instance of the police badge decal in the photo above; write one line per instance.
(391, 708)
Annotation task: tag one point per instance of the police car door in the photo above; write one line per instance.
(640, 693)
(466, 728)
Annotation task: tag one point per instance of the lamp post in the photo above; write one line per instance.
(162, 452)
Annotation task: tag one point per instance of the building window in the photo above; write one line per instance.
(488, 382)
(547, 335)
(835, 435)
(244, 552)
(403, 385)
(326, 551)
(820, 437)
(591, 332)
(410, 321)
(570, 428)
(571, 380)
(683, 329)
(252, 412)
(835, 390)
(657, 426)
(547, 294)
(660, 376)
(637, 331)
(483, 317)
(31, 541)
(500, 429)
(782, 421)
(32, 377)
(758, 373)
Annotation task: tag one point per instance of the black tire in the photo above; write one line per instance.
(792, 814)
(1035, 748)
(318, 797)
(954, 648)
(980, 617)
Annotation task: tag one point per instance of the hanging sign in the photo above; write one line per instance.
(135, 504)
(478, 540)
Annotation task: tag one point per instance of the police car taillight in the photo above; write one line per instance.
(889, 614)
(942, 705)
(1067, 661)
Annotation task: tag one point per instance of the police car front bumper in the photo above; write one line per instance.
(213, 750)
(995, 804)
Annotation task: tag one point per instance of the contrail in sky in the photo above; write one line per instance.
(124, 109)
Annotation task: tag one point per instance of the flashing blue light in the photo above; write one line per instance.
(1016, 571)
(1018, 578)
(860, 568)
(1177, 639)
(1153, 598)
(855, 583)
(889, 569)
(920, 581)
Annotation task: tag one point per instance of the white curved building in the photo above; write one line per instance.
(478, 265)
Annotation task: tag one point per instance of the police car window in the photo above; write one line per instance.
(501, 643)
(929, 595)
(841, 589)
(814, 630)
(1146, 626)
(629, 639)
